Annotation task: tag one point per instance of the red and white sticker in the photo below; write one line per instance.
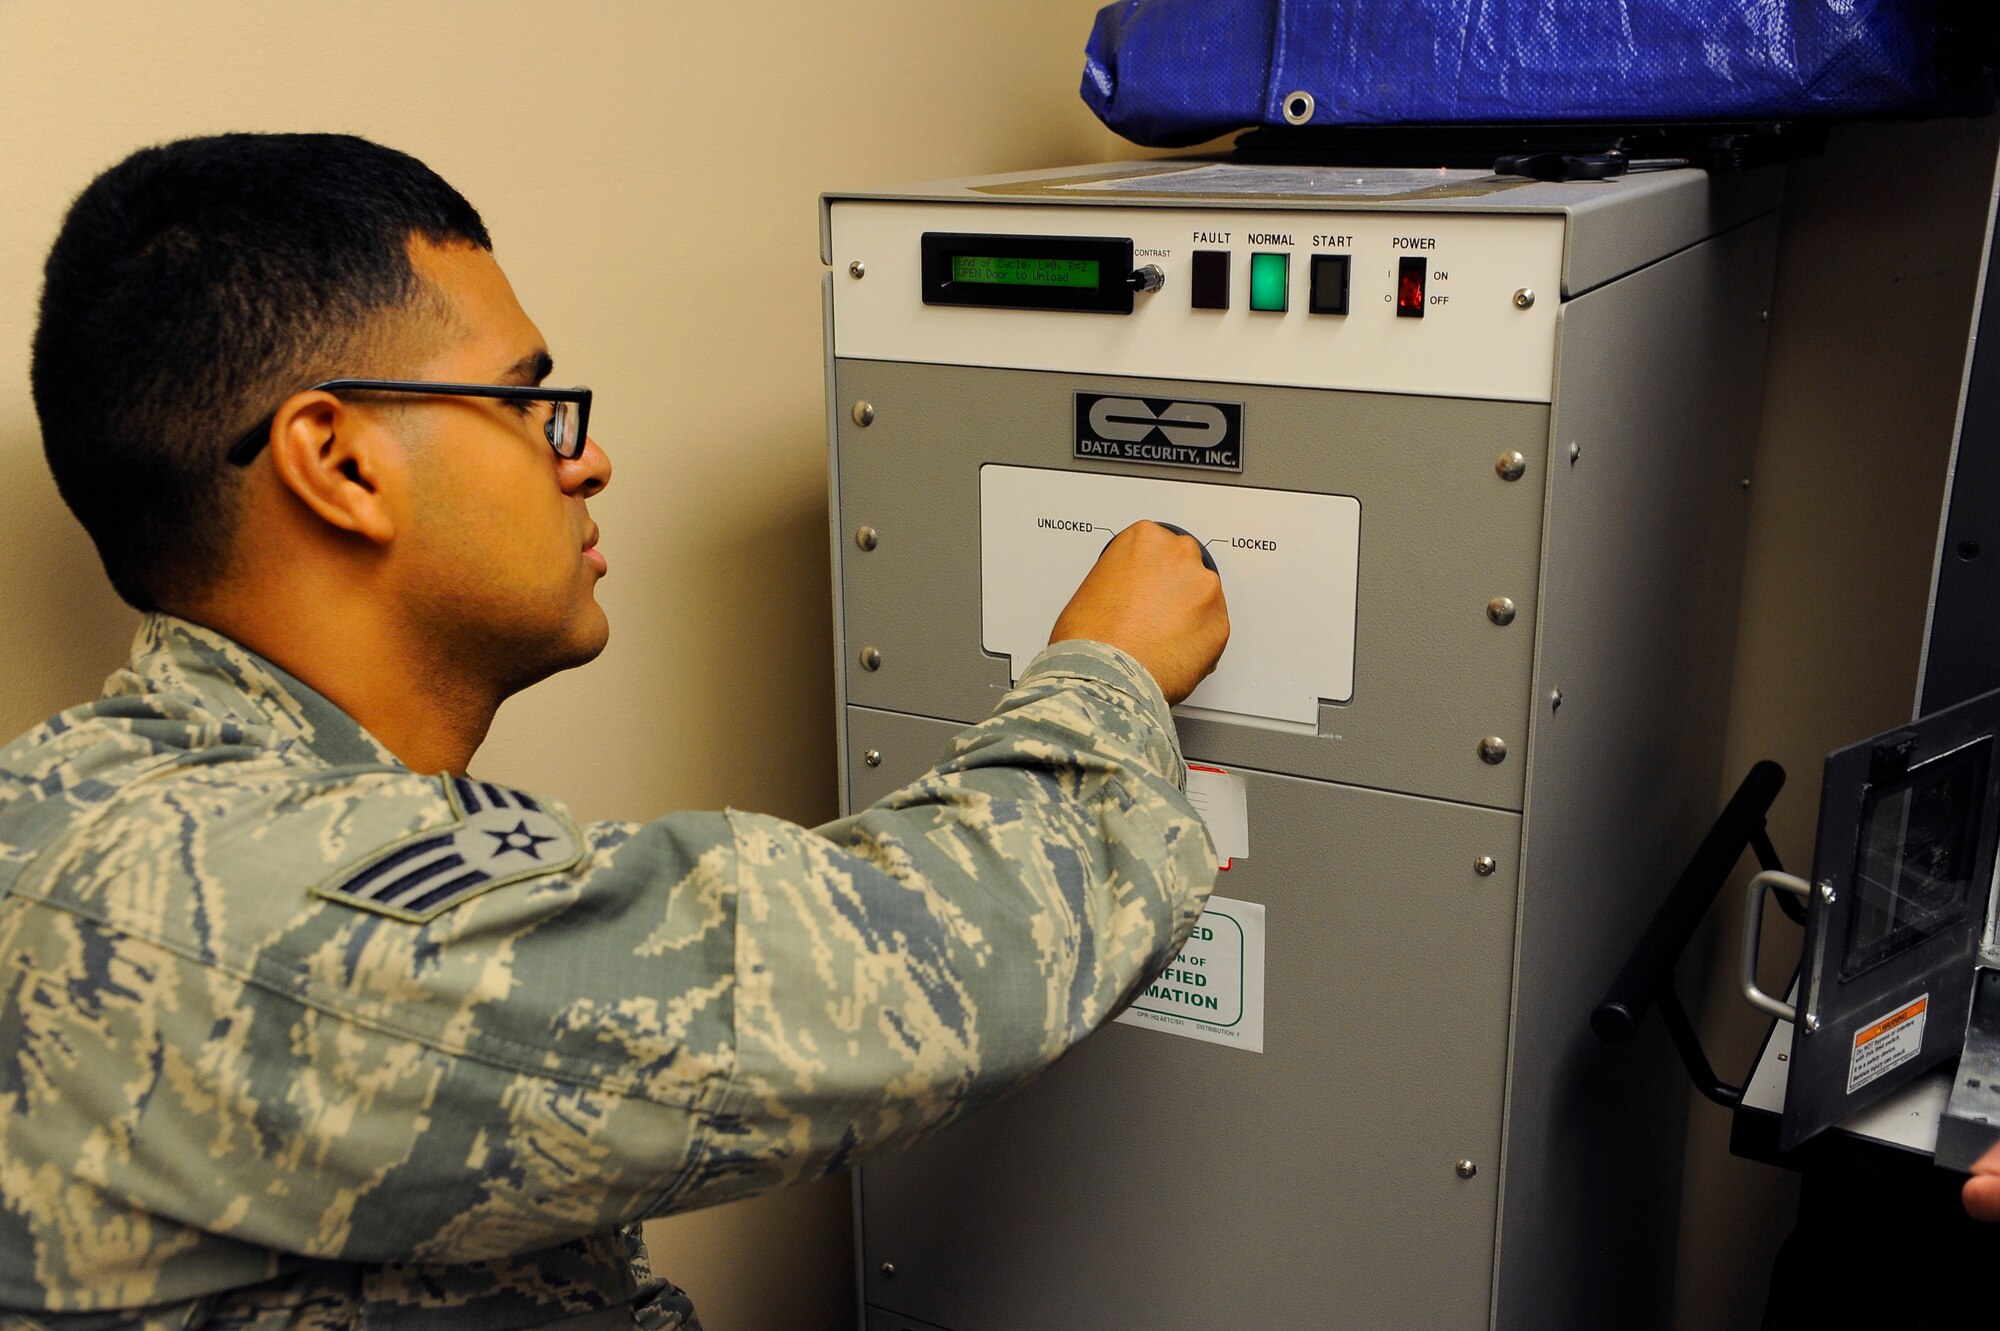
(1217, 795)
(1887, 1043)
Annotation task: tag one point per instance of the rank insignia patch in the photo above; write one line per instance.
(502, 836)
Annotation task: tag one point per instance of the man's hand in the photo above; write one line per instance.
(1982, 1190)
(1150, 595)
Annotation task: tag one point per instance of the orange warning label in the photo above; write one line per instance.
(1887, 1043)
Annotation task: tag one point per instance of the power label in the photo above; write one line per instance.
(1214, 989)
(1887, 1043)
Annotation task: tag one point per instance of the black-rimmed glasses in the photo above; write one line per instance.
(567, 428)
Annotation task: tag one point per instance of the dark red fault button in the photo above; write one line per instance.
(1410, 288)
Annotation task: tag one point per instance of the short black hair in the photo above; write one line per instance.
(193, 287)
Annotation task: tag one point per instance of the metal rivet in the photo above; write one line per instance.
(864, 413)
(1826, 891)
(888, 1270)
(1466, 1169)
(1298, 107)
(1485, 865)
(1493, 750)
(1511, 466)
(1501, 610)
(873, 757)
(1524, 298)
(857, 269)
(870, 659)
(866, 537)
(1574, 452)
(1746, 482)
(1812, 1023)
(1555, 700)
(1764, 317)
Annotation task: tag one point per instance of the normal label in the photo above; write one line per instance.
(1214, 989)
(1887, 1043)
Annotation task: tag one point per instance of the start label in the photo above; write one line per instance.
(1887, 1043)
(1214, 989)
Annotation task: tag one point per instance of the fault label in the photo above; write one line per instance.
(1214, 989)
(1887, 1043)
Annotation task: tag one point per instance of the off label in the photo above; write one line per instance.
(1213, 990)
(1887, 1043)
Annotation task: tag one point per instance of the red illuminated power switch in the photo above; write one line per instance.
(1410, 288)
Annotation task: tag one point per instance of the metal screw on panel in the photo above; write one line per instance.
(1466, 1169)
(1485, 865)
(1524, 298)
(857, 269)
(1493, 750)
(864, 413)
(1574, 452)
(1501, 610)
(888, 1270)
(1764, 316)
(1555, 700)
(873, 757)
(1812, 1023)
(1826, 891)
(866, 537)
(870, 659)
(1746, 482)
(1511, 466)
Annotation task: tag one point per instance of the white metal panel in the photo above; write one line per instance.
(1473, 341)
(1287, 562)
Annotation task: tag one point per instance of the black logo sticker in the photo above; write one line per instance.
(1159, 431)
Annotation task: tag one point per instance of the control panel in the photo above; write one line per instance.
(1423, 302)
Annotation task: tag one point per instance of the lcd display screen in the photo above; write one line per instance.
(1020, 271)
(1914, 866)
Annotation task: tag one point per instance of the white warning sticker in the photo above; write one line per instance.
(1214, 990)
(1217, 795)
(1887, 1043)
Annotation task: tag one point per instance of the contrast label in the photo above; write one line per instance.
(1214, 990)
(1218, 796)
(1288, 562)
(1160, 432)
(1887, 1043)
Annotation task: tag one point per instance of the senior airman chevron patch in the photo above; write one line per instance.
(502, 836)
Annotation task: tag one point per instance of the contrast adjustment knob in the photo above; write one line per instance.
(1149, 278)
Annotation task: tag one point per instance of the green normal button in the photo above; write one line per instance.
(1270, 276)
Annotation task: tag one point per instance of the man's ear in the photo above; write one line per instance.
(335, 464)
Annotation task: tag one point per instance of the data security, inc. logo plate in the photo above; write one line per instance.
(1160, 431)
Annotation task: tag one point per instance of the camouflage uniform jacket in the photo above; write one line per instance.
(291, 1036)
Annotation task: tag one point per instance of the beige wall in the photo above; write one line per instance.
(649, 173)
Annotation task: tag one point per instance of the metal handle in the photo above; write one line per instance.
(1753, 931)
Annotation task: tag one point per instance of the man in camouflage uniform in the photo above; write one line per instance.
(302, 1027)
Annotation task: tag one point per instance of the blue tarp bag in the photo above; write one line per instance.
(1171, 72)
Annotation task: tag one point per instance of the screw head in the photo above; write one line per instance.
(857, 269)
(888, 1270)
(1493, 750)
(1524, 299)
(873, 757)
(1555, 700)
(1485, 865)
(1466, 1169)
(1501, 610)
(1511, 466)
(1826, 891)
(870, 659)
(867, 537)
(1574, 452)
(1812, 1023)
(864, 413)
